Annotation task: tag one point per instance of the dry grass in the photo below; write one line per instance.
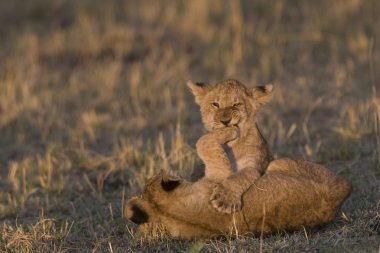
(93, 102)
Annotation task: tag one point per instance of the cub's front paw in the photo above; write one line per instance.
(225, 200)
(227, 134)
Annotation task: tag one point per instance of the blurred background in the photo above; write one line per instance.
(93, 100)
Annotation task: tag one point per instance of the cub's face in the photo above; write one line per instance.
(225, 105)
(228, 103)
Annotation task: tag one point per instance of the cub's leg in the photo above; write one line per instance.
(210, 150)
(227, 195)
(301, 168)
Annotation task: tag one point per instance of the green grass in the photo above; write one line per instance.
(93, 102)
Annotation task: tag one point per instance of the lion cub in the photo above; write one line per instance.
(234, 151)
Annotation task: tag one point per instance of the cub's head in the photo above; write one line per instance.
(229, 102)
(158, 190)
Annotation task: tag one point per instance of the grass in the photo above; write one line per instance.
(93, 102)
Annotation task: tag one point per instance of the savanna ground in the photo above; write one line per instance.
(93, 102)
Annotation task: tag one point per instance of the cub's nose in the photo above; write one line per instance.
(225, 121)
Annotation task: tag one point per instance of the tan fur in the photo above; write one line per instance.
(234, 152)
(292, 194)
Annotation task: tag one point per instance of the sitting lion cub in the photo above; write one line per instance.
(291, 195)
(234, 151)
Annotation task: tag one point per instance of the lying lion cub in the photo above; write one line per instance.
(234, 151)
(292, 194)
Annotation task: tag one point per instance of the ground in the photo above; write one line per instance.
(93, 101)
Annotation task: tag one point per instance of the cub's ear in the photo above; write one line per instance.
(169, 181)
(199, 90)
(260, 93)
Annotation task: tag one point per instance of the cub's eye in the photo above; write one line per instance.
(215, 105)
(236, 104)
